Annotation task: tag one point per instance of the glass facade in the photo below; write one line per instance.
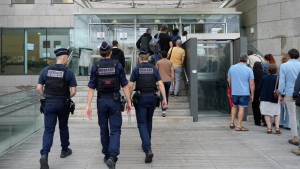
(28, 51)
(90, 30)
(22, 1)
(62, 1)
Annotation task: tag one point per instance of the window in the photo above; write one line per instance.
(62, 1)
(22, 1)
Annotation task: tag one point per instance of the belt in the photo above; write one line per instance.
(55, 100)
(147, 94)
(108, 95)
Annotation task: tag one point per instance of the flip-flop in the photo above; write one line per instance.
(232, 126)
(291, 141)
(241, 129)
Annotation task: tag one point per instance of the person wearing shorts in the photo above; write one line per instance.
(241, 79)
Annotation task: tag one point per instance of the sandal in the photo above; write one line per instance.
(278, 131)
(241, 129)
(232, 126)
(292, 141)
(269, 131)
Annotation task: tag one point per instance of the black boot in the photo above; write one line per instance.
(44, 161)
(65, 153)
(111, 163)
(105, 158)
(149, 156)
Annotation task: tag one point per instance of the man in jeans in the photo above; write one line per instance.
(287, 78)
(166, 71)
(241, 79)
(176, 55)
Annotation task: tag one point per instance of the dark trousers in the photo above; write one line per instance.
(52, 112)
(144, 114)
(109, 113)
(258, 118)
(167, 88)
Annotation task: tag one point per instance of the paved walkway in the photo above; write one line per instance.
(206, 144)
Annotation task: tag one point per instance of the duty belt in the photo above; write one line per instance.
(108, 95)
(55, 100)
(147, 94)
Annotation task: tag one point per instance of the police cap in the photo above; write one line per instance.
(61, 51)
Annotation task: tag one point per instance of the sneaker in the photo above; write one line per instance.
(171, 93)
(296, 151)
(176, 95)
(65, 153)
(44, 161)
(149, 156)
(111, 163)
(163, 114)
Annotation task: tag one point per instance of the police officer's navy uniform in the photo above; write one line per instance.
(57, 80)
(145, 75)
(107, 76)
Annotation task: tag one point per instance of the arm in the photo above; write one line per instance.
(171, 44)
(73, 92)
(127, 93)
(281, 84)
(130, 87)
(88, 102)
(163, 93)
(229, 81)
(252, 88)
(39, 88)
(182, 60)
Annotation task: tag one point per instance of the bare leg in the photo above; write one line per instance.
(268, 121)
(233, 112)
(240, 116)
(276, 119)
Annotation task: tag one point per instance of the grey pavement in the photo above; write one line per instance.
(208, 144)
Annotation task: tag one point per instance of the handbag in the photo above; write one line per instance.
(275, 93)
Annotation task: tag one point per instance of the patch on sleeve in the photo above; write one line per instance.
(55, 73)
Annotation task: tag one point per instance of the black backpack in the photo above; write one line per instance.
(174, 39)
(145, 43)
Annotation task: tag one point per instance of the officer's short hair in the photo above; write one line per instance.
(105, 53)
(144, 57)
(115, 43)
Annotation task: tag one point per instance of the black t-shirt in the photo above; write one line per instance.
(164, 40)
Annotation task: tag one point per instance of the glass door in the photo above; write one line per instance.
(123, 33)
(213, 64)
(194, 28)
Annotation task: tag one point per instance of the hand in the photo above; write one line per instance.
(164, 103)
(251, 98)
(293, 99)
(281, 99)
(128, 107)
(88, 112)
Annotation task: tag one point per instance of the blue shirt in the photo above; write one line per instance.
(93, 81)
(69, 77)
(135, 72)
(240, 75)
(287, 77)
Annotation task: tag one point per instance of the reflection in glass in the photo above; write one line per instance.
(213, 63)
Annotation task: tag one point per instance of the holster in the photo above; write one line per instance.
(42, 105)
(135, 99)
(123, 102)
(72, 107)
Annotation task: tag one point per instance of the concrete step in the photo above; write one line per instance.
(82, 99)
(156, 119)
(171, 105)
(172, 112)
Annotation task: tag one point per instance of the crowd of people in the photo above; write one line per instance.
(272, 90)
(169, 59)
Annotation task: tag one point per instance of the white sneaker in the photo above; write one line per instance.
(163, 114)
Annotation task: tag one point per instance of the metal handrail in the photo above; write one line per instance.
(258, 52)
(10, 112)
(16, 92)
(185, 74)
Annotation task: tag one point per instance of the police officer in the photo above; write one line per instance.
(145, 75)
(107, 76)
(60, 85)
